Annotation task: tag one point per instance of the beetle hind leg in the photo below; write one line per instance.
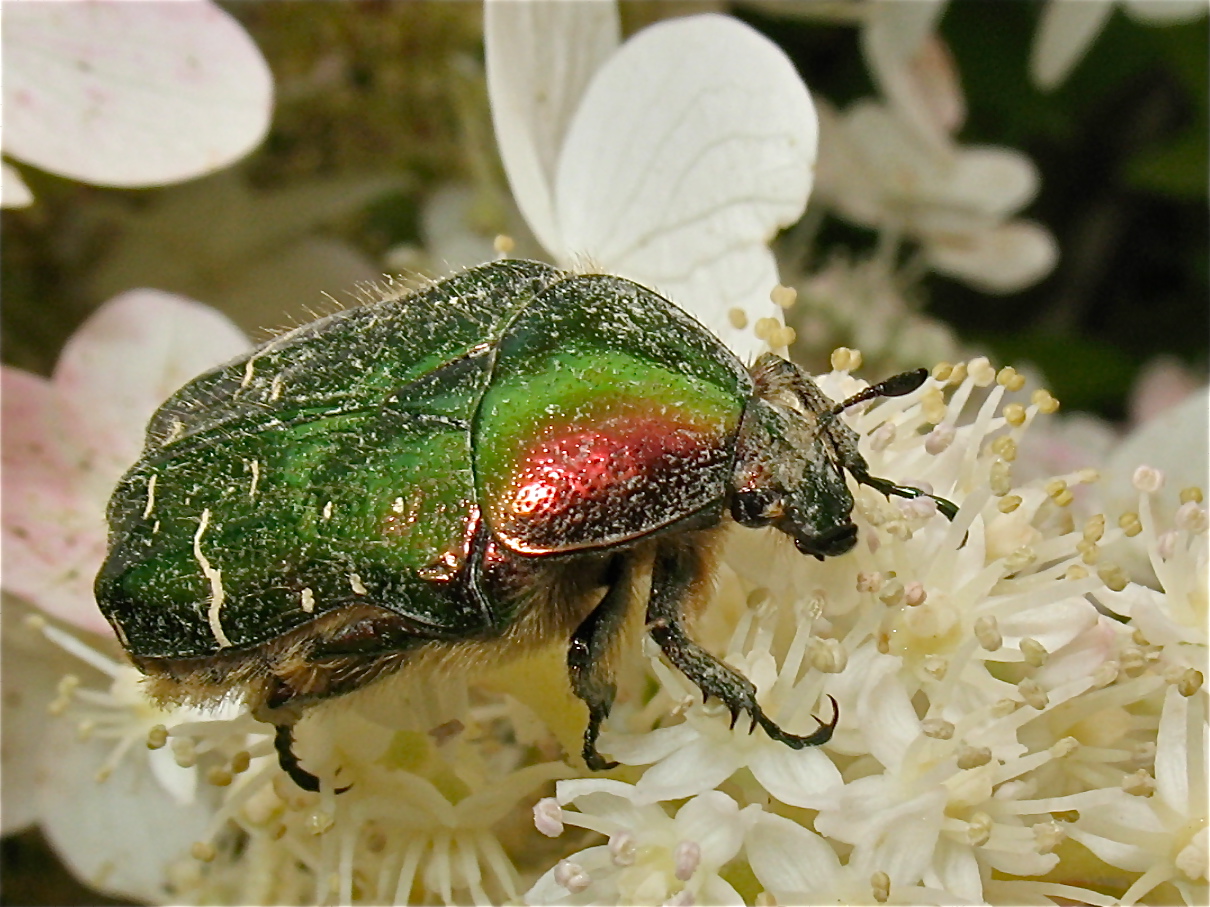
(587, 656)
(675, 573)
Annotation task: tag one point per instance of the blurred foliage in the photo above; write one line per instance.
(1122, 149)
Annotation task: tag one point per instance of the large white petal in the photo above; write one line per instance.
(696, 140)
(789, 859)
(700, 766)
(13, 191)
(540, 57)
(130, 356)
(118, 836)
(712, 820)
(131, 94)
(804, 777)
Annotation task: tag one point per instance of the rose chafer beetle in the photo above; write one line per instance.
(485, 465)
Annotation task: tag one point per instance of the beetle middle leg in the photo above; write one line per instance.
(675, 572)
(587, 663)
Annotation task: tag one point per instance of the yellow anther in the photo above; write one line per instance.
(1114, 577)
(1129, 523)
(1191, 681)
(1055, 486)
(202, 851)
(880, 887)
(220, 776)
(981, 371)
(958, 375)
(973, 756)
(937, 728)
(1000, 478)
(987, 631)
(1192, 494)
(783, 336)
(157, 737)
(935, 667)
(783, 296)
(1009, 503)
(1044, 401)
(1014, 414)
(1075, 571)
(1010, 379)
(765, 328)
(738, 318)
(979, 829)
(503, 244)
(241, 761)
(1033, 694)
(942, 371)
(1089, 552)
(891, 593)
(1094, 529)
(1033, 652)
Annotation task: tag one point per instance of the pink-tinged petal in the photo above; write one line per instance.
(120, 834)
(13, 191)
(804, 777)
(540, 58)
(700, 766)
(1162, 383)
(696, 141)
(790, 860)
(595, 861)
(53, 530)
(1065, 30)
(130, 356)
(131, 94)
(1003, 259)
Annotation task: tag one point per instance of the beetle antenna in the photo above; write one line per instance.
(895, 386)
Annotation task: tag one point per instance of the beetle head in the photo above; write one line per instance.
(789, 476)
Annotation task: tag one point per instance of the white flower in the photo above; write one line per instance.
(704, 751)
(122, 94)
(672, 159)
(875, 170)
(651, 857)
(1069, 27)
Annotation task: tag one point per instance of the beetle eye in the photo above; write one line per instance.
(838, 541)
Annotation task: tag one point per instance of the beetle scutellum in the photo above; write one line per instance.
(483, 466)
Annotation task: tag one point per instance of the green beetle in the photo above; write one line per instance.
(482, 466)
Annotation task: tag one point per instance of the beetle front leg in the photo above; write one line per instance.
(673, 576)
(887, 487)
(587, 664)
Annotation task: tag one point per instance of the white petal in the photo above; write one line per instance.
(789, 859)
(700, 766)
(805, 777)
(957, 870)
(1172, 754)
(1004, 259)
(694, 142)
(712, 820)
(596, 861)
(988, 183)
(1165, 12)
(13, 191)
(540, 57)
(715, 890)
(1065, 30)
(905, 843)
(120, 835)
(902, 54)
(131, 94)
(739, 278)
(1174, 442)
(644, 749)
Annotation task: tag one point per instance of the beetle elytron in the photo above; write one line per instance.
(490, 462)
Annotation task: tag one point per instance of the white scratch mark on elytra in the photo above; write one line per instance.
(217, 593)
(150, 495)
(255, 467)
(249, 366)
(356, 583)
(275, 388)
(308, 600)
(397, 505)
(328, 510)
